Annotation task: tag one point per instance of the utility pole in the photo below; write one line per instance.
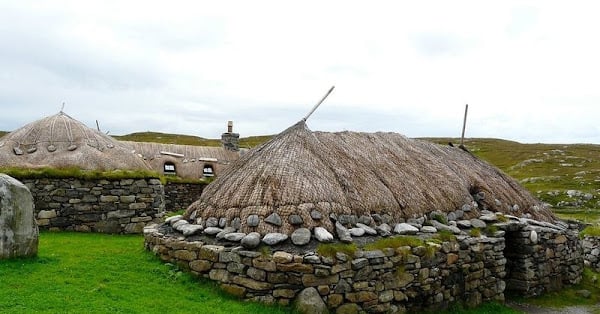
(462, 137)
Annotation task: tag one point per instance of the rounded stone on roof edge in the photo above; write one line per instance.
(300, 236)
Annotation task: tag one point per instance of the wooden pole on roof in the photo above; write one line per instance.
(97, 126)
(318, 104)
(462, 137)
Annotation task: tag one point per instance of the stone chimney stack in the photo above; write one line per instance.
(230, 140)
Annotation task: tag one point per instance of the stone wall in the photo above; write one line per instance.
(542, 257)
(468, 270)
(523, 256)
(107, 206)
(181, 195)
(591, 251)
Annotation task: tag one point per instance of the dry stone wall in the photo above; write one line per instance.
(591, 251)
(393, 280)
(179, 196)
(524, 256)
(542, 257)
(107, 206)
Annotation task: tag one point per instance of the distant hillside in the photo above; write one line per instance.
(2, 133)
(566, 176)
(155, 137)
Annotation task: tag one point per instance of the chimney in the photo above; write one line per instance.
(230, 140)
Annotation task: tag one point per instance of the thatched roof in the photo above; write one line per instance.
(60, 141)
(188, 159)
(359, 174)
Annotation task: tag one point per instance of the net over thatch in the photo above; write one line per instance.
(189, 161)
(316, 174)
(60, 141)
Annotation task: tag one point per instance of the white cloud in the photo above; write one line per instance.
(529, 70)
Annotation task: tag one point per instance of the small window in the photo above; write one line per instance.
(169, 168)
(208, 171)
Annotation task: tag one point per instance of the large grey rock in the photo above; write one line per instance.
(478, 223)
(301, 236)
(274, 238)
(226, 230)
(251, 240)
(368, 230)
(274, 219)
(309, 301)
(179, 224)
(252, 220)
(234, 236)
(384, 230)
(212, 230)
(440, 226)
(428, 229)
(342, 233)
(212, 222)
(322, 235)
(171, 220)
(18, 229)
(404, 228)
(357, 232)
(190, 229)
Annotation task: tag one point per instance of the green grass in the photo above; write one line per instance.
(593, 231)
(155, 137)
(72, 172)
(485, 308)
(395, 242)
(330, 249)
(96, 273)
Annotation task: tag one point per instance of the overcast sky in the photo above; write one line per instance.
(529, 70)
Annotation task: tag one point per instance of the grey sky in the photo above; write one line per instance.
(529, 70)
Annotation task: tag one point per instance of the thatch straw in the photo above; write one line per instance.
(192, 160)
(358, 174)
(60, 141)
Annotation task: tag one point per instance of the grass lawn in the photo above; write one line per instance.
(97, 273)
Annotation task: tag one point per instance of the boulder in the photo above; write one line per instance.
(322, 235)
(274, 238)
(404, 228)
(309, 301)
(251, 240)
(343, 233)
(301, 236)
(18, 229)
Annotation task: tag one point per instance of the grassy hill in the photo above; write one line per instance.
(565, 176)
(155, 137)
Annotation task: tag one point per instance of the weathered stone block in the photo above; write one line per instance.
(18, 228)
(295, 267)
(234, 290)
(282, 257)
(310, 280)
(201, 266)
(264, 264)
(221, 275)
(211, 252)
(251, 283)
(184, 255)
(284, 293)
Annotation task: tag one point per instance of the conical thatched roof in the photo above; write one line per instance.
(188, 159)
(60, 141)
(359, 174)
